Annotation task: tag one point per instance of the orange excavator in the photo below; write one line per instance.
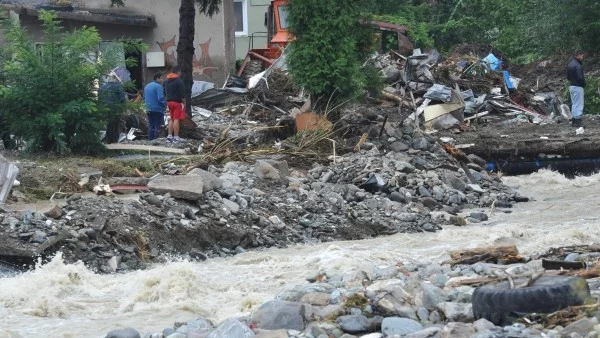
(278, 38)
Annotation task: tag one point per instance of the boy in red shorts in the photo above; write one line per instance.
(175, 92)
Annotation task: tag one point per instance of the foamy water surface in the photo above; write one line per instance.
(58, 300)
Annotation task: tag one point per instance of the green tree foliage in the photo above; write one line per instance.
(524, 30)
(330, 47)
(47, 93)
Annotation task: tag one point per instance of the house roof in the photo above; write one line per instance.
(117, 16)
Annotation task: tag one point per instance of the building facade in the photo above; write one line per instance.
(153, 22)
(250, 26)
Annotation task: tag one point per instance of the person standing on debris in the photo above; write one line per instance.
(175, 90)
(577, 84)
(156, 105)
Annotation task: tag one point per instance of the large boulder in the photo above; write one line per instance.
(277, 314)
(183, 187)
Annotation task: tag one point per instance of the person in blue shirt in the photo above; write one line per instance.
(156, 105)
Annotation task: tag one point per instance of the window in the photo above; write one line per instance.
(240, 14)
(283, 17)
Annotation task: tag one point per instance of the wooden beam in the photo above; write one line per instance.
(140, 147)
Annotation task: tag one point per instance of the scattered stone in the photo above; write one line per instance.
(399, 146)
(55, 212)
(316, 298)
(457, 312)
(483, 324)
(277, 314)
(392, 326)
(265, 171)
(458, 221)
(481, 216)
(232, 328)
(353, 323)
(581, 327)
(457, 330)
(272, 334)
(123, 333)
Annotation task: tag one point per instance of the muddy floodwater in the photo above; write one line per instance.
(58, 300)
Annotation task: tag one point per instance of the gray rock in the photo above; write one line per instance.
(420, 143)
(454, 182)
(398, 197)
(483, 325)
(265, 171)
(353, 323)
(477, 160)
(391, 74)
(422, 314)
(233, 207)
(424, 192)
(572, 257)
(152, 200)
(429, 296)
(177, 335)
(316, 298)
(209, 180)
(123, 333)
(404, 167)
(398, 146)
(232, 328)
(277, 222)
(481, 216)
(435, 317)
(55, 212)
(457, 312)
(429, 227)
(39, 237)
(582, 327)
(272, 334)
(399, 326)
(184, 187)
(430, 332)
(457, 330)
(168, 331)
(277, 314)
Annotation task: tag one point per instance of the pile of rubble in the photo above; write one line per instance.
(464, 89)
(415, 300)
(403, 182)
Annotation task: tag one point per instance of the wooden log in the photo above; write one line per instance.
(558, 265)
(396, 98)
(494, 251)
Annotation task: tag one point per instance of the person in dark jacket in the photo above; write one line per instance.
(175, 90)
(156, 105)
(577, 84)
(111, 98)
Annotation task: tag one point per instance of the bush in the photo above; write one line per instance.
(47, 94)
(330, 47)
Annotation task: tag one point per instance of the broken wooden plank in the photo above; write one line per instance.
(140, 147)
(8, 172)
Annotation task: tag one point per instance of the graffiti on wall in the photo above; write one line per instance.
(201, 66)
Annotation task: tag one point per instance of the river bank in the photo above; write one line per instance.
(71, 300)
